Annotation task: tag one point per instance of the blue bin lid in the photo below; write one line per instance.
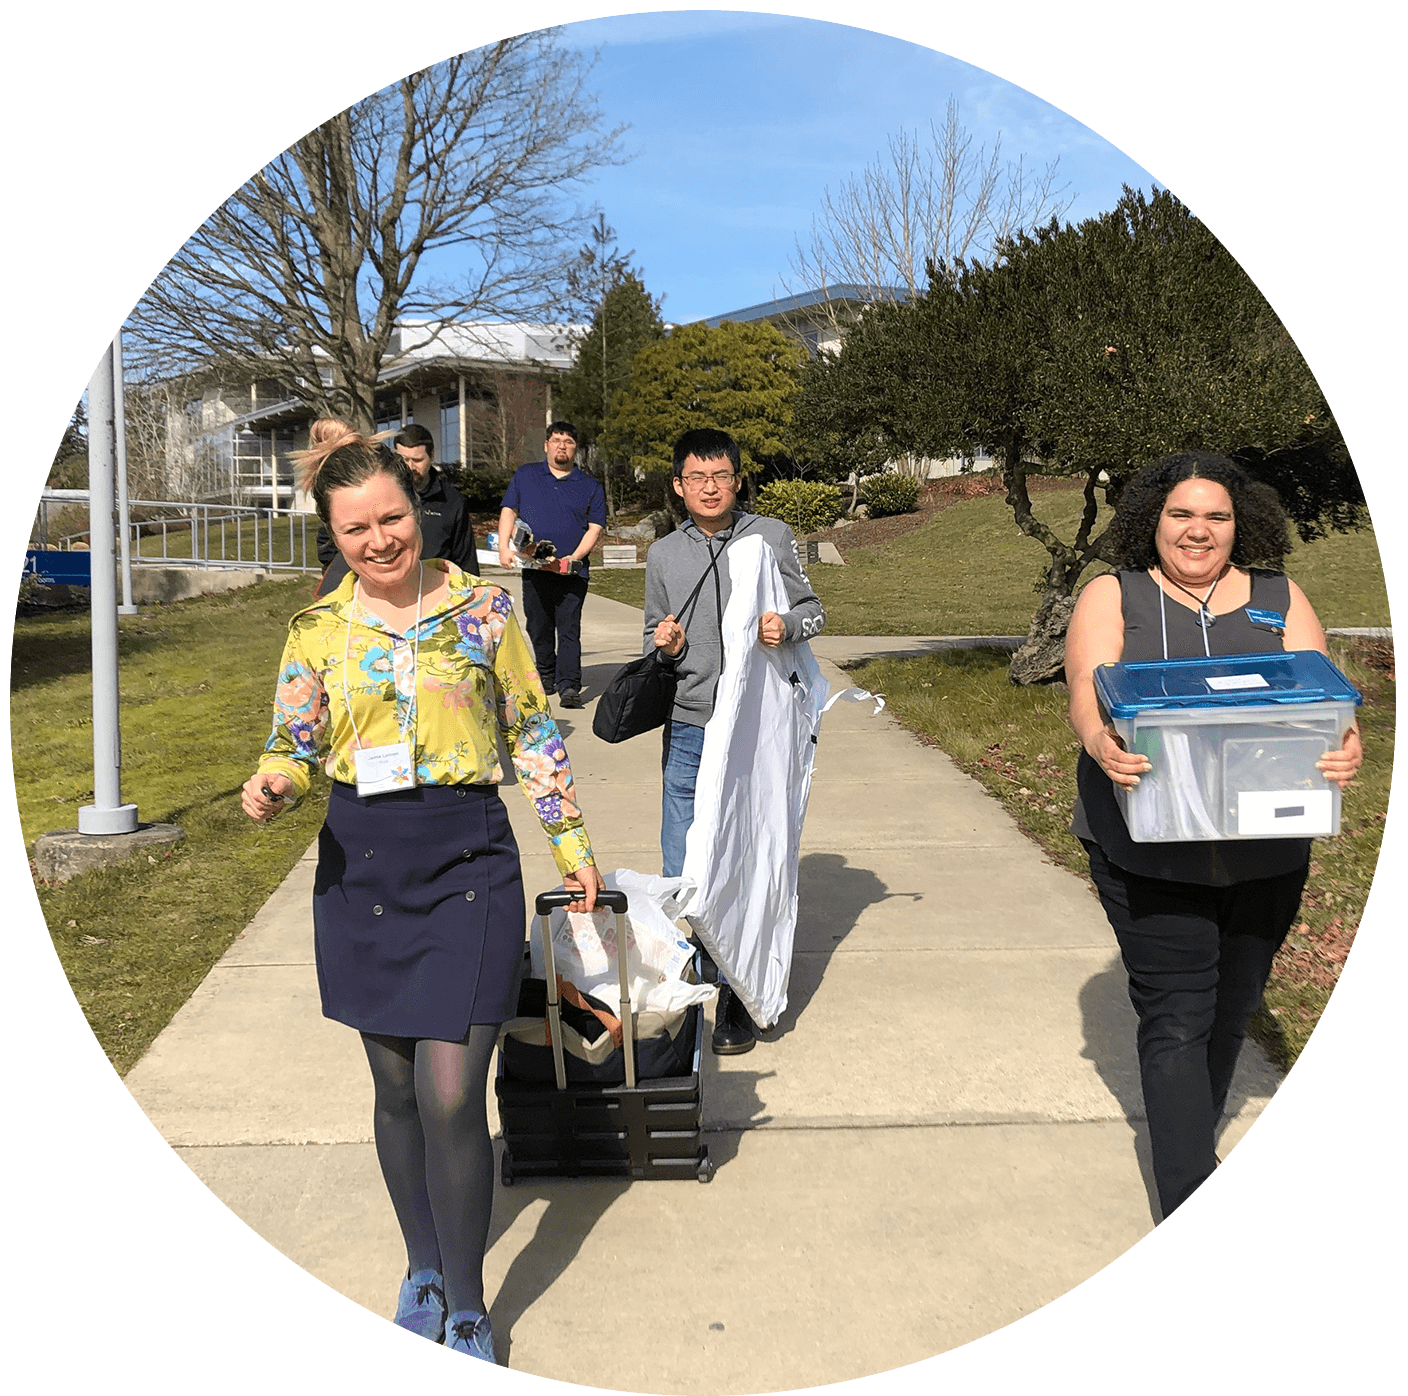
(1223, 681)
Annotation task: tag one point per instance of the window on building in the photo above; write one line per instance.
(388, 416)
(450, 430)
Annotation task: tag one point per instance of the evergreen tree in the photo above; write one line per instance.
(1087, 351)
(740, 378)
(625, 318)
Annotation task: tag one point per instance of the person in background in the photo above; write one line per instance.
(564, 506)
(1201, 548)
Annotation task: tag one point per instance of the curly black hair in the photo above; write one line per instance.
(1262, 536)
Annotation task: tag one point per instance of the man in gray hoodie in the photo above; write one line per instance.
(706, 464)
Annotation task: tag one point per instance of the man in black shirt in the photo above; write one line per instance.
(444, 515)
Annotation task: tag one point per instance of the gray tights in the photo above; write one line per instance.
(432, 1140)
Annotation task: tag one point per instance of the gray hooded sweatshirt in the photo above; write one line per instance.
(673, 567)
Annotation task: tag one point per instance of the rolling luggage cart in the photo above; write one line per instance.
(636, 1129)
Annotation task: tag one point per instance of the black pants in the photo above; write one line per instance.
(552, 613)
(1198, 959)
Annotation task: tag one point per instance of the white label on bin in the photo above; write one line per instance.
(1222, 682)
(1289, 812)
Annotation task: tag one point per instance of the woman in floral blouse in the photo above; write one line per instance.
(400, 682)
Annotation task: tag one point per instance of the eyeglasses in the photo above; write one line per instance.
(697, 482)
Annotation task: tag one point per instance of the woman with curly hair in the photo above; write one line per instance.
(403, 678)
(1200, 547)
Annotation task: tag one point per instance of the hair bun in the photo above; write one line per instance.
(326, 435)
(329, 433)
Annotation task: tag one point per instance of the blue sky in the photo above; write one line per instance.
(740, 121)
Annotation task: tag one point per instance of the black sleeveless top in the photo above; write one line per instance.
(1097, 817)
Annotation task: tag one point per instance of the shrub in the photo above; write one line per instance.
(889, 494)
(804, 505)
(32, 592)
(972, 486)
(482, 486)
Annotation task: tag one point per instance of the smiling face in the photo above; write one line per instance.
(709, 489)
(1196, 532)
(375, 529)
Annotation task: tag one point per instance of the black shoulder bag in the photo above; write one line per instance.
(641, 694)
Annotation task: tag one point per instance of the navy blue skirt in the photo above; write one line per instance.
(418, 913)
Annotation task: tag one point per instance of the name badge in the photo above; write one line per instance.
(383, 768)
(1272, 619)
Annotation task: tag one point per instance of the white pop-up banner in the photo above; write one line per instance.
(750, 800)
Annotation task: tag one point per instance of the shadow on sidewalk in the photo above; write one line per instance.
(576, 1205)
(831, 898)
(1110, 1025)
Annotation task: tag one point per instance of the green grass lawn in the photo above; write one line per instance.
(197, 681)
(968, 571)
(620, 584)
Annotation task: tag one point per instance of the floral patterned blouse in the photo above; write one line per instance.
(472, 660)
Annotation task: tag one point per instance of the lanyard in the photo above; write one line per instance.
(1203, 613)
(415, 665)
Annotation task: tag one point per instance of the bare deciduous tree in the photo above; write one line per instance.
(938, 200)
(304, 273)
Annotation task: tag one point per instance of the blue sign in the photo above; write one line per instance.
(59, 569)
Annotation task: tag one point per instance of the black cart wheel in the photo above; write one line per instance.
(705, 1172)
(506, 1169)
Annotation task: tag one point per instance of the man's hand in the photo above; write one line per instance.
(255, 796)
(669, 636)
(772, 629)
(507, 519)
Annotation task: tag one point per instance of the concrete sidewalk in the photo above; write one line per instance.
(944, 1133)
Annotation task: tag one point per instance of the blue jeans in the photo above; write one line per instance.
(679, 763)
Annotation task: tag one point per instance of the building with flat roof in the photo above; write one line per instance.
(483, 390)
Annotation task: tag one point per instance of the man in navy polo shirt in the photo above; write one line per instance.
(564, 506)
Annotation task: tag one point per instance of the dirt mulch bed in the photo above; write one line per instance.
(1377, 654)
(934, 497)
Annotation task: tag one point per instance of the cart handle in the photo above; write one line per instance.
(560, 896)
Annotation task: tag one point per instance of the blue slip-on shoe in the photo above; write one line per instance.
(420, 1307)
(468, 1331)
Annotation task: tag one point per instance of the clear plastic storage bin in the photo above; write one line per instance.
(1232, 742)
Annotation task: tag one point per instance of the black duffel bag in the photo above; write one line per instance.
(641, 694)
(638, 699)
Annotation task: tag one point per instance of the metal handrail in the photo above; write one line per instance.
(220, 535)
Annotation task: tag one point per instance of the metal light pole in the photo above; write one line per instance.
(107, 814)
(124, 522)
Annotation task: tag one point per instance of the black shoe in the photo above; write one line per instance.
(570, 698)
(733, 1028)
